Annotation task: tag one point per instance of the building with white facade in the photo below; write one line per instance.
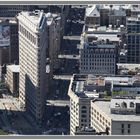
(32, 61)
(82, 90)
(86, 92)
(120, 116)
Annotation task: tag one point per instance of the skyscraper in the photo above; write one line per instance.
(32, 61)
(133, 39)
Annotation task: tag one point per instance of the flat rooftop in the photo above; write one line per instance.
(85, 86)
(105, 107)
(36, 17)
(104, 29)
(14, 68)
(99, 46)
(120, 80)
(133, 19)
(129, 66)
(102, 36)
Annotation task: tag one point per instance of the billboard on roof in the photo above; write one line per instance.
(4, 36)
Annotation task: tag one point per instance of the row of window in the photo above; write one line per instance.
(98, 60)
(99, 64)
(98, 56)
(128, 128)
(100, 51)
(99, 117)
(98, 68)
(28, 35)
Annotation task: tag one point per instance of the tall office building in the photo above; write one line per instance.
(98, 51)
(133, 39)
(32, 60)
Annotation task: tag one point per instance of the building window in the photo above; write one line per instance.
(128, 131)
(122, 131)
(84, 111)
(84, 107)
(83, 116)
(122, 125)
(129, 126)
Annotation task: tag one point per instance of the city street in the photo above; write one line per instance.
(57, 120)
(58, 100)
(13, 120)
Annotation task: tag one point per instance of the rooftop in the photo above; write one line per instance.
(101, 36)
(116, 6)
(104, 29)
(14, 68)
(135, 9)
(133, 19)
(86, 87)
(103, 33)
(92, 11)
(105, 107)
(99, 46)
(36, 17)
(120, 80)
(128, 66)
(119, 12)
